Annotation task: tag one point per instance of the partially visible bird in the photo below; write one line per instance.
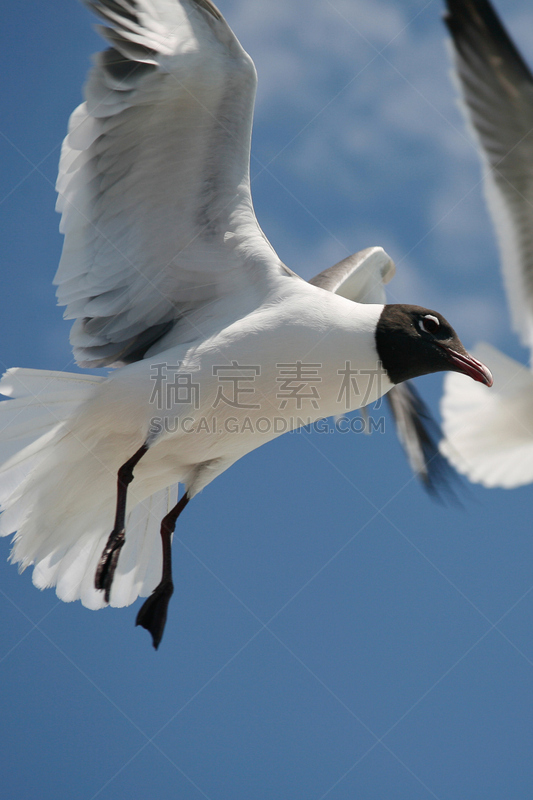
(489, 435)
(168, 276)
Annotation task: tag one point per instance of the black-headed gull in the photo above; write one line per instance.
(489, 435)
(169, 276)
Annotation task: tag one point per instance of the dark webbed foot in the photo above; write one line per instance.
(105, 571)
(153, 612)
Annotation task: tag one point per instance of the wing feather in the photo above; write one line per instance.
(419, 434)
(497, 89)
(153, 184)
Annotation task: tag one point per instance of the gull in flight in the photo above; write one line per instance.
(219, 347)
(489, 435)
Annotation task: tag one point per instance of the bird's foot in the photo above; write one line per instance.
(153, 612)
(105, 571)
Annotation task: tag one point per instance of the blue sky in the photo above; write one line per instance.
(334, 633)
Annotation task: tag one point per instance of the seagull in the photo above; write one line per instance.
(218, 347)
(489, 435)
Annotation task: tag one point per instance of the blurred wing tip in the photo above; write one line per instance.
(420, 435)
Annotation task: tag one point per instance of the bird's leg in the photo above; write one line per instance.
(153, 612)
(107, 565)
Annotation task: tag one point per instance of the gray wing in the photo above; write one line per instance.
(153, 183)
(361, 278)
(419, 434)
(497, 89)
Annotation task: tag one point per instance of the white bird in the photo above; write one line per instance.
(169, 277)
(489, 435)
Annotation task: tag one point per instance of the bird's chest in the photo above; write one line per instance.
(240, 393)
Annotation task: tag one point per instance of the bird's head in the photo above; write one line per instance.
(413, 341)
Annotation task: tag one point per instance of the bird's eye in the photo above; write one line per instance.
(429, 323)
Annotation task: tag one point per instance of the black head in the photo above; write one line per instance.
(413, 341)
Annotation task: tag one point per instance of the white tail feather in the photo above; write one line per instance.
(58, 496)
(489, 432)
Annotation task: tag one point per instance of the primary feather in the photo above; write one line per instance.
(497, 90)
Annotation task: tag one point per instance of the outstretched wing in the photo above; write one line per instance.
(154, 184)
(361, 278)
(497, 89)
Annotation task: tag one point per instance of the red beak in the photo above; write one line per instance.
(468, 365)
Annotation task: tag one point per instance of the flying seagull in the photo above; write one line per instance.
(168, 276)
(489, 435)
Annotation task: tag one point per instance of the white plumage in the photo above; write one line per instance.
(154, 186)
(52, 493)
(489, 435)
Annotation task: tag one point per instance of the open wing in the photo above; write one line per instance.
(497, 89)
(154, 184)
(362, 277)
